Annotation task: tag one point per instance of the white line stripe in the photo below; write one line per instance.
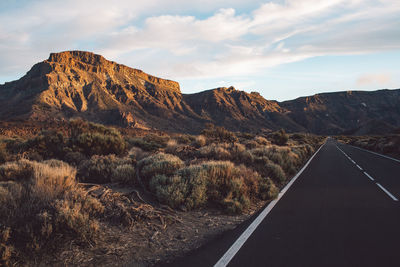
(397, 160)
(369, 176)
(231, 252)
(387, 192)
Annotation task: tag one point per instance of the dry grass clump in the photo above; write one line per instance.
(42, 204)
(279, 137)
(84, 137)
(200, 141)
(219, 133)
(138, 154)
(107, 169)
(219, 183)
(261, 140)
(185, 139)
(159, 163)
(3, 153)
(215, 151)
(150, 142)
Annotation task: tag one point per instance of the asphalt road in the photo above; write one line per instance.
(343, 210)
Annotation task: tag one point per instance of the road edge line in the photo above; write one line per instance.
(372, 152)
(231, 252)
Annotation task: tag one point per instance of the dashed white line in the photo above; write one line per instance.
(369, 176)
(387, 192)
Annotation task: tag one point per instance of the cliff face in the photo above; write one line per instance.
(77, 83)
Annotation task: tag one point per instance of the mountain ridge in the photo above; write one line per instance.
(83, 84)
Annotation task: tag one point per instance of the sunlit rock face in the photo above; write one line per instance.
(83, 84)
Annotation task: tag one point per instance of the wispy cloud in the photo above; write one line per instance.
(197, 39)
(376, 79)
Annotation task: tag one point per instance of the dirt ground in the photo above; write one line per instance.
(148, 232)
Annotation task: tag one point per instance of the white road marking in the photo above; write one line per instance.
(387, 192)
(369, 176)
(231, 252)
(372, 152)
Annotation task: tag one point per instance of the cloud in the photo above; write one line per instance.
(375, 79)
(196, 39)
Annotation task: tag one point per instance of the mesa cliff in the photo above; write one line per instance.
(82, 84)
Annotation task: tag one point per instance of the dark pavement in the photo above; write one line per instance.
(332, 215)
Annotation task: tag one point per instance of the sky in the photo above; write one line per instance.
(283, 48)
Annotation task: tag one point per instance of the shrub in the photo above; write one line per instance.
(41, 205)
(172, 145)
(186, 189)
(106, 169)
(124, 174)
(137, 154)
(49, 144)
(215, 151)
(143, 144)
(280, 137)
(261, 140)
(74, 158)
(185, 139)
(219, 133)
(268, 190)
(160, 163)
(200, 141)
(3, 153)
(161, 141)
(95, 139)
(269, 169)
(218, 183)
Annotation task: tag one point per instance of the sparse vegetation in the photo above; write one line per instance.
(107, 169)
(42, 204)
(42, 200)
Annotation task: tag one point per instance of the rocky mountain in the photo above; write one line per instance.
(351, 111)
(83, 84)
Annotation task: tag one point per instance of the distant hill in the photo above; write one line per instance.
(83, 84)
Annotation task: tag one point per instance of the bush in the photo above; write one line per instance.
(185, 139)
(261, 140)
(219, 133)
(161, 141)
(160, 163)
(268, 190)
(41, 204)
(95, 139)
(49, 144)
(269, 169)
(280, 137)
(74, 158)
(200, 141)
(107, 169)
(215, 151)
(185, 190)
(3, 153)
(143, 144)
(218, 183)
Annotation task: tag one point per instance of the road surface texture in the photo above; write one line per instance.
(343, 210)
